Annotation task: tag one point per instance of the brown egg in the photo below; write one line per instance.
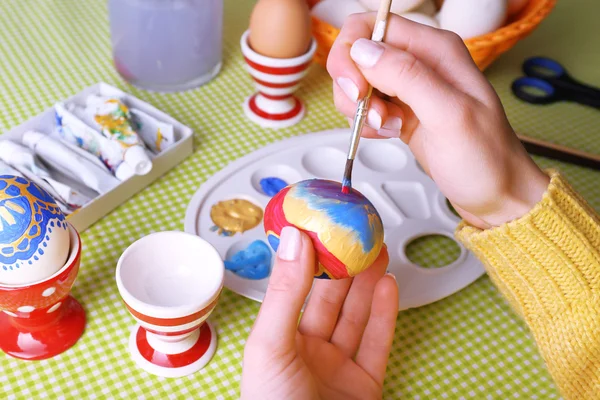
(280, 28)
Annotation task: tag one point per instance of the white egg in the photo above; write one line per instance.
(398, 6)
(470, 18)
(421, 19)
(34, 237)
(335, 12)
(428, 8)
(515, 6)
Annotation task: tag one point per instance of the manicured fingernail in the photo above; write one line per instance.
(393, 123)
(388, 133)
(349, 88)
(391, 128)
(373, 119)
(366, 53)
(289, 244)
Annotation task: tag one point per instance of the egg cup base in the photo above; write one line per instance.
(270, 119)
(38, 340)
(173, 365)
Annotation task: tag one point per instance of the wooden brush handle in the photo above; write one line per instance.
(560, 153)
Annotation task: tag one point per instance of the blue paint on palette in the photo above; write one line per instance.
(272, 185)
(253, 262)
(25, 213)
(351, 210)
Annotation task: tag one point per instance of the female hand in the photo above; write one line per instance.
(340, 348)
(433, 96)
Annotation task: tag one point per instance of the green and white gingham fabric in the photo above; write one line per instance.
(470, 345)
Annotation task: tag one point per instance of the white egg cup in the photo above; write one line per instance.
(170, 283)
(276, 79)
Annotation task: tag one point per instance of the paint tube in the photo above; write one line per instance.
(23, 159)
(6, 169)
(72, 128)
(157, 135)
(114, 120)
(69, 163)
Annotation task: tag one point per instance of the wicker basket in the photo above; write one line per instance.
(484, 49)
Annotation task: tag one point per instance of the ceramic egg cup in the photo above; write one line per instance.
(276, 79)
(40, 319)
(170, 283)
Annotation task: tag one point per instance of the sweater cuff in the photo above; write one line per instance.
(546, 261)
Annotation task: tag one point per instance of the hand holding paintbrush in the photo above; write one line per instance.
(363, 104)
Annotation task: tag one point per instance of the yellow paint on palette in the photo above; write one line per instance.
(340, 241)
(237, 215)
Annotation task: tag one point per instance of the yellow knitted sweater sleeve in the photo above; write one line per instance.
(547, 264)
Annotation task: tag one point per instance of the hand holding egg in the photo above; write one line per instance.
(34, 240)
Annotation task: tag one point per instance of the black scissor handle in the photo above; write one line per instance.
(534, 90)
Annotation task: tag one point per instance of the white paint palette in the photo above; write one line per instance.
(409, 202)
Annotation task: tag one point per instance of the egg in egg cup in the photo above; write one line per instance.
(40, 320)
(276, 79)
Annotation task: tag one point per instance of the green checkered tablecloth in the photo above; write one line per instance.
(470, 345)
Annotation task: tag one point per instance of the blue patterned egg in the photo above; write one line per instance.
(34, 238)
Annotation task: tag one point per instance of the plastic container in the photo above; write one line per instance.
(166, 45)
(104, 203)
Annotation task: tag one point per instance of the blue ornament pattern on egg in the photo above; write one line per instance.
(27, 213)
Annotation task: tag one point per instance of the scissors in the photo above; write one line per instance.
(546, 81)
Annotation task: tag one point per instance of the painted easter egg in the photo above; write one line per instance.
(345, 229)
(34, 239)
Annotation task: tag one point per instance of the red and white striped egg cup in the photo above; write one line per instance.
(171, 282)
(276, 79)
(40, 320)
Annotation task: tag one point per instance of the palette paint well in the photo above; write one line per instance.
(422, 210)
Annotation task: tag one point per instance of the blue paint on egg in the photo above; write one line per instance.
(352, 210)
(273, 241)
(26, 213)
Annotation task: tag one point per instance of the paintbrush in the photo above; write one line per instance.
(363, 104)
(561, 153)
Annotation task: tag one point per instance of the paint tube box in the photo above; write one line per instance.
(162, 162)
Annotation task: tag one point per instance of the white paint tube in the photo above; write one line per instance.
(157, 135)
(7, 170)
(75, 131)
(69, 163)
(23, 159)
(113, 118)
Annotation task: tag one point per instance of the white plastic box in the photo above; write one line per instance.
(161, 163)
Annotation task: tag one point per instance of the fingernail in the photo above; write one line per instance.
(373, 119)
(388, 133)
(289, 244)
(393, 123)
(366, 53)
(391, 275)
(349, 88)
(391, 128)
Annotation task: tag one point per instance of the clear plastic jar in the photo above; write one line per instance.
(167, 45)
